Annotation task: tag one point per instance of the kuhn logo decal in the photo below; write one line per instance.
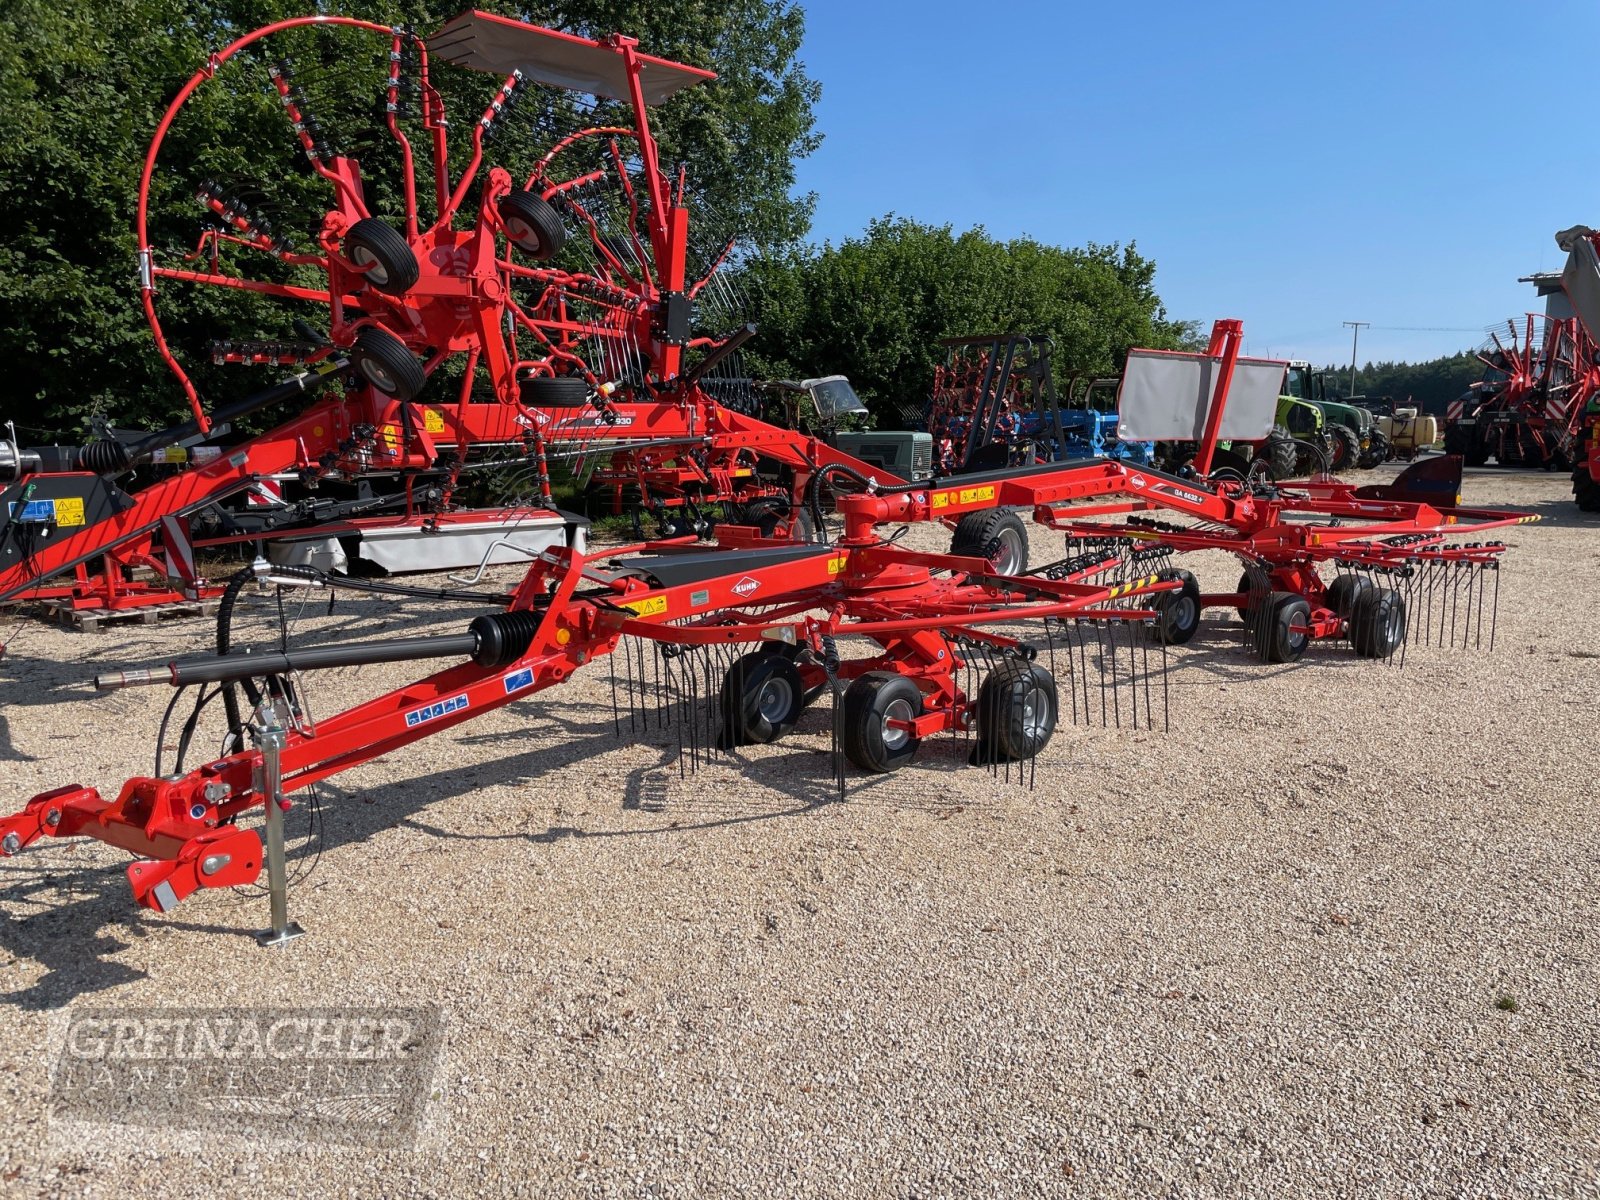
(747, 586)
(1136, 481)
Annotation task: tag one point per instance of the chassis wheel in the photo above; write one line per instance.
(1345, 591)
(391, 267)
(1177, 613)
(1378, 623)
(383, 361)
(1017, 707)
(995, 534)
(1277, 640)
(870, 703)
(762, 697)
(764, 513)
(533, 225)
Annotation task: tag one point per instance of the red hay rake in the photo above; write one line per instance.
(743, 635)
(1534, 414)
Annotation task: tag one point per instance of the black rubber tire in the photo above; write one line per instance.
(996, 534)
(1244, 586)
(1278, 643)
(554, 391)
(371, 243)
(764, 513)
(1279, 453)
(1376, 453)
(1346, 449)
(1585, 491)
(1177, 613)
(532, 225)
(1378, 623)
(762, 698)
(1476, 453)
(1456, 439)
(869, 701)
(383, 361)
(1345, 590)
(1017, 709)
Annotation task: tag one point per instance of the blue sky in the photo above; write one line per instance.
(1295, 164)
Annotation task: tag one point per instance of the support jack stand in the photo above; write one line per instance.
(270, 736)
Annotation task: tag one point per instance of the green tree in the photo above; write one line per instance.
(875, 307)
(84, 85)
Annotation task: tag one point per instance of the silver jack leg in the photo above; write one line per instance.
(270, 737)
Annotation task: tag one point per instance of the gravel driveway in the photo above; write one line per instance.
(1333, 935)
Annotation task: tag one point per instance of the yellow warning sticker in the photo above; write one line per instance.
(838, 563)
(651, 606)
(69, 511)
(391, 436)
(940, 500)
(973, 495)
(432, 420)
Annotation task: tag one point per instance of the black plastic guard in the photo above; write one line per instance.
(1435, 481)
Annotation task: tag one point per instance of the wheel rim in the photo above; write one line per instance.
(775, 700)
(897, 710)
(1034, 710)
(377, 376)
(371, 267)
(1185, 612)
(1008, 559)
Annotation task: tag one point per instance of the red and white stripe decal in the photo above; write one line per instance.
(1454, 410)
(179, 551)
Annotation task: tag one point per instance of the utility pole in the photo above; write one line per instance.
(1355, 328)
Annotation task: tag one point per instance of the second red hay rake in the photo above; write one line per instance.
(744, 635)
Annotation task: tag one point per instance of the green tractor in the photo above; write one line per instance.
(1346, 432)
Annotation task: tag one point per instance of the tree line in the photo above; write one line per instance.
(1429, 386)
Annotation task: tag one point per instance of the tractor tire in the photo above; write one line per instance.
(1585, 491)
(386, 364)
(1017, 709)
(869, 703)
(1457, 437)
(532, 225)
(762, 698)
(996, 534)
(554, 391)
(1279, 453)
(391, 267)
(1346, 449)
(1376, 453)
(1276, 640)
(1378, 623)
(1177, 613)
(1345, 591)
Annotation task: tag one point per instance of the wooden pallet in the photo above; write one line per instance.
(97, 619)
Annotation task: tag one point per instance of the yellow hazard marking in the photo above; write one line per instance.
(1122, 589)
(391, 436)
(69, 511)
(651, 606)
(939, 500)
(973, 495)
(432, 420)
(838, 563)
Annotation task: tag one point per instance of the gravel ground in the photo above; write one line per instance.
(1273, 952)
